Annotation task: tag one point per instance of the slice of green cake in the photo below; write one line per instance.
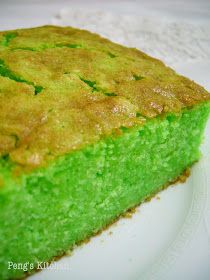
(88, 129)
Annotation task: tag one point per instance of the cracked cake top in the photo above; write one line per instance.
(62, 88)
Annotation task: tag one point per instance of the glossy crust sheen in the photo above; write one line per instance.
(63, 88)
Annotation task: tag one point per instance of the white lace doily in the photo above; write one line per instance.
(172, 42)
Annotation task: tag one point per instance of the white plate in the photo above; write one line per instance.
(167, 238)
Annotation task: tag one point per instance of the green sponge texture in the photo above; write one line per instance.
(46, 212)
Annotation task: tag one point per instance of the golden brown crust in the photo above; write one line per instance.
(65, 88)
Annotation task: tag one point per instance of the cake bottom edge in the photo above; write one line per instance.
(126, 214)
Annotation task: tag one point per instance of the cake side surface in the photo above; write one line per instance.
(66, 88)
(46, 212)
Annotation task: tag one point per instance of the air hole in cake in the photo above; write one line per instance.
(7, 38)
(137, 77)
